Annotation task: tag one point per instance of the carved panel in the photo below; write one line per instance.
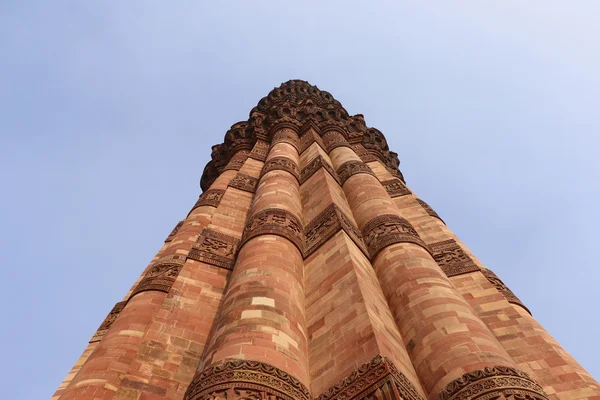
(260, 151)
(314, 166)
(363, 153)
(502, 288)
(377, 380)
(108, 321)
(244, 182)
(395, 188)
(493, 383)
(275, 221)
(327, 224)
(452, 258)
(284, 164)
(429, 210)
(308, 139)
(174, 232)
(237, 161)
(388, 229)
(215, 248)
(333, 140)
(245, 380)
(210, 198)
(161, 275)
(349, 168)
(286, 135)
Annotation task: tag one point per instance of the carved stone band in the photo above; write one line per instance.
(388, 229)
(215, 248)
(244, 182)
(275, 221)
(327, 224)
(364, 154)
(395, 188)
(174, 232)
(260, 151)
(316, 164)
(502, 288)
(286, 135)
(244, 379)
(451, 258)
(284, 164)
(349, 168)
(108, 321)
(237, 161)
(333, 140)
(493, 383)
(308, 138)
(429, 210)
(161, 275)
(211, 198)
(378, 379)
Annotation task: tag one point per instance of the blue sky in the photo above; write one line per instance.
(108, 111)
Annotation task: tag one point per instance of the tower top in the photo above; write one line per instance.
(300, 106)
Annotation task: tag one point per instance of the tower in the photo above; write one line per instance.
(307, 269)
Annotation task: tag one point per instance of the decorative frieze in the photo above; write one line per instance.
(211, 198)
(260, 150)
(325, 225)
(376, 380)
(284, 164)
(429, 210)
(491, 383)
(275, 221)
(502, 288)
(286, 135)
(237, 161)
(333, 140)
(308, 138)
(363, 153)
(316, 164)
(244, 379)
(174, 232)
(452, 259)
(108, 321)
(161, 275)
(395, 188)
(349, 168)
(244, 182)
(388, 229)
(215, 248)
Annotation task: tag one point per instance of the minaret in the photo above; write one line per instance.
(307, 269)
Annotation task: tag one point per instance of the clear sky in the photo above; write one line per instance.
(108, 110)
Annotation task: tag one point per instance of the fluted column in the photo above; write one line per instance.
(443, 335)
(260, 333)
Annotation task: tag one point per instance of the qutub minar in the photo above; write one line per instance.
(308, 270)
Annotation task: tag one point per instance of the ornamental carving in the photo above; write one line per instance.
(350, 168)
(174, 232)
(161, 275)
(388, 229)
(215, 248)
(275, 221)
(502, 288)
(244, 182)
(297, 106)
(363, 153)
(286, 136)
(429, 210)
(395, 188)
(237, 161)
(284, 164)
(452, 259)
(376, 380)
(260, 151)
(316, 164)
(329, 222)
(308, 138)
(245, 380)
(493, 383)
(333, 140)
(108, 321)
(211, 198)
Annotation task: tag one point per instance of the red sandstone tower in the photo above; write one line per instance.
(308, 270)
